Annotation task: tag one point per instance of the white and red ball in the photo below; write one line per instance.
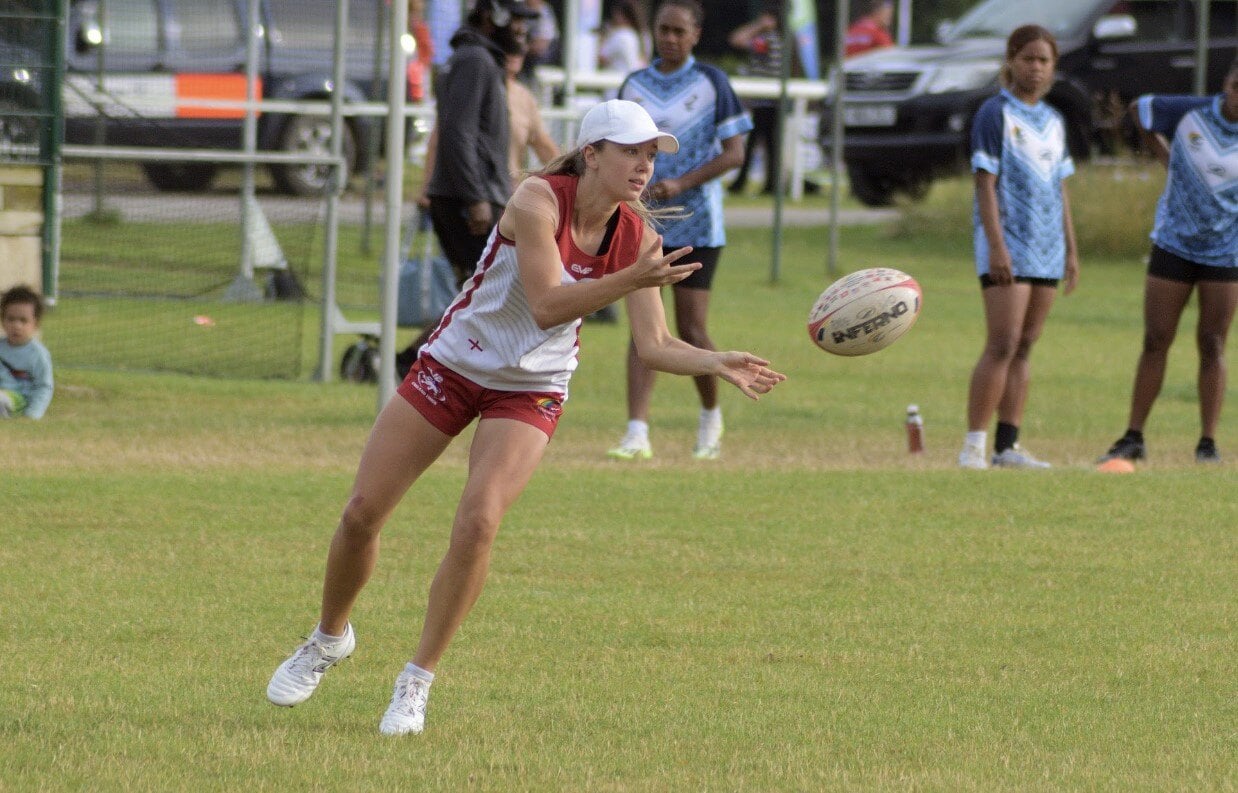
(865, 311)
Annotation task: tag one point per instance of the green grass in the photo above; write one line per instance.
(1112, 205)
(815, 611)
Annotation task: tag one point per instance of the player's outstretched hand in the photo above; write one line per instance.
(655, 269)
(748, 373)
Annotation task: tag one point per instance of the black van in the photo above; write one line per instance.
(155, 54)
(908, 110)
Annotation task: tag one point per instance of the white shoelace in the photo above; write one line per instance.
(410, 696)
(312, 659)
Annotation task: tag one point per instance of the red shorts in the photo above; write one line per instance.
(451, 401)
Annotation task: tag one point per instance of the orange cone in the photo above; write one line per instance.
(1116, 466)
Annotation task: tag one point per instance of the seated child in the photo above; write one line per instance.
(25, 365)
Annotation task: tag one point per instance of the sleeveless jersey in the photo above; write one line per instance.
(488, 333)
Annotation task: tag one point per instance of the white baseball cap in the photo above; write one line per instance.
(621, 121)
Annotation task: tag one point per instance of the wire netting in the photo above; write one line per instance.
(150, 269)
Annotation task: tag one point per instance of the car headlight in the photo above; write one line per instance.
(966, 76)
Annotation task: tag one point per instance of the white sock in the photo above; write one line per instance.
(326, 638)
(638, 429)
(978, 438)
(709, 427)
(418, 672)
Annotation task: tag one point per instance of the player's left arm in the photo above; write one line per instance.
(660, 350)
(552, 301)
(43, 385)
(1072, 250)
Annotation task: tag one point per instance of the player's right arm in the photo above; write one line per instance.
(1151, 141)
(1000, 269)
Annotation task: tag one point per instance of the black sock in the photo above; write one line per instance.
(1005, 437)
(1134, 435)
(1206, 443)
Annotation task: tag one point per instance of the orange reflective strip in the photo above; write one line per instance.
(211, 86)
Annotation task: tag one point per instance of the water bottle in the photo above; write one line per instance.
(915, 430)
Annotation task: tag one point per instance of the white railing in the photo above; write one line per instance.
(587, 88)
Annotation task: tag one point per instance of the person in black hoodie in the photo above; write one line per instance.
(470, 184)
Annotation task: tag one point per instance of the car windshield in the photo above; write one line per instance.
(996, 18)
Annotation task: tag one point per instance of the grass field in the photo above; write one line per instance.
(815, 611)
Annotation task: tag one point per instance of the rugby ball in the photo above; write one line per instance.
(865, 312)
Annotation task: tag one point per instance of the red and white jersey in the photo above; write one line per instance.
(488, 333)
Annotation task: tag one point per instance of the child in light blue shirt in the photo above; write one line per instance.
(25, 365)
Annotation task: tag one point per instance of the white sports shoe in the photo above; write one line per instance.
(972, 457)
(1018, 457)
(407, 711)
(632, 447)
(296, 678)
(709, 441)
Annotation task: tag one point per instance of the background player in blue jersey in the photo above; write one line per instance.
(695, 103)
(1024, 241)
(1194, 247)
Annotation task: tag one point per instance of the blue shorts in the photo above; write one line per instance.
(704, 277)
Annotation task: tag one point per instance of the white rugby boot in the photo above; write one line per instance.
(632, 447)
(296, 678)
(407, 712)
(709, 436)
(1018, 457)
(972, 457)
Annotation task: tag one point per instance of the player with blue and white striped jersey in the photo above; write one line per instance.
(1024, 241)
(694, 102)
(1194, 248)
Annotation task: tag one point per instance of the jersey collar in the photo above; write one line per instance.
(688, 64)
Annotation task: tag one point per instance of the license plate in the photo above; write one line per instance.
(870, 115)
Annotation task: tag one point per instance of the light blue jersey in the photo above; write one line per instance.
(1025, 146)
(1197, 215)
(27, 371)
(697, 105)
